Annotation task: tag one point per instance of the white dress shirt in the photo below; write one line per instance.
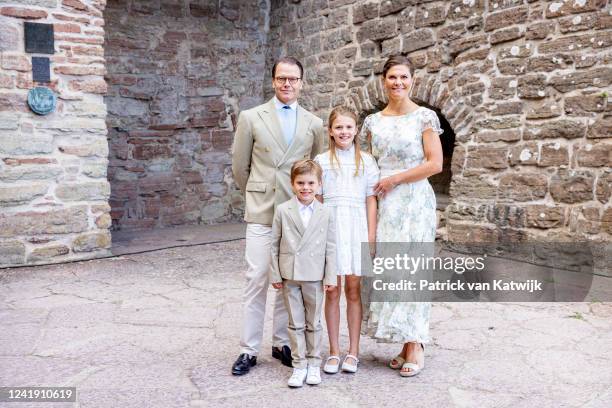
(306, 212)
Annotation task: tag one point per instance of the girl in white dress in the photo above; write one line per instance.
(349, 176)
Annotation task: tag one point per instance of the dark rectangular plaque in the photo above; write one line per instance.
(41, 70)
(39, 38)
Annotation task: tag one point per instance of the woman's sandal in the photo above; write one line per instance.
(414, 368)
(397, 362)
(348, 367)
(331, 368)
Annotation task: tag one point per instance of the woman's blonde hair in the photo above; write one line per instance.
(334, 114)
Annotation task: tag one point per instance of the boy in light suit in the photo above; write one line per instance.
(303, 264)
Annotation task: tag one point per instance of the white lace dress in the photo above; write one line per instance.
(406, 214)
(346, 195)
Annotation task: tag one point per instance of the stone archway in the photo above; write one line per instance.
(428, 93)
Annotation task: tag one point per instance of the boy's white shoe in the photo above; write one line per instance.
(298, 377)
(314, 376)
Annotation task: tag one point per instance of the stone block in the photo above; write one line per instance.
(600, 77)
(11, 253)
(365, 11)
(544, 109)
(91, 241)
(553, 155)
(430, 15)
(544, 216)
(562, 128)
(505, 34)
(48, 253)
(21, 194)
(562, 8)
(595, 155)
(505, 18)
(524, 154)
(9, 37)
(83, 191)
(62, 221)
(502, 88)
(532, 86)
(30, 172)
(601, 128)
(603, 188)
(378, 29)
(417, 40)
(22, 12)
(571, 186)
(585, 105)
(523, 186)
(487, 157)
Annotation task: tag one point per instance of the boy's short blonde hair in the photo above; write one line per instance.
(306, 166)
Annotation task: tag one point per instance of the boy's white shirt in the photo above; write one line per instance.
(306, 212)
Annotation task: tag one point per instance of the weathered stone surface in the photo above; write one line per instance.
(540, 30)
(601, 128)
(583, 105)
(522, 186)
(503, 88)
(562, 128)
(418, 39)
(553, 154)
(378, 29)
(84, 191)
(9, 36)
(12, 253)
(30, 172)
(595, 155)
(471, 233)
(570, 186)
(430, 15)
(603, 188)
(91, 241)
(524, 154)
(606, 220)
(598, 77)
(505, 34)
(104, 221)
(487, 157)
(505, 18)
(22, 193)
(544, 110)
(498, 136)
(543, 216)
(561, 8)
(473, 186)
(532, 86)
(47, 253)
(365, 11)
(63, 221)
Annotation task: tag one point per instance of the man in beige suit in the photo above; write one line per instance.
(269, 139)
(303, 263)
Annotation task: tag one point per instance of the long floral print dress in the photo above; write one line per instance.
(406, 214)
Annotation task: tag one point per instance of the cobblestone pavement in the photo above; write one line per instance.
(160, 329)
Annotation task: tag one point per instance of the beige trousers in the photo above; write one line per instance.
(304, 302)
(257, 255)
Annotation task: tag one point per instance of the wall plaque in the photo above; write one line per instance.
(42, 100)
(41, 71)
(39, 38)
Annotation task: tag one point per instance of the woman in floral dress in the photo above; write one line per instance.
(404, 138)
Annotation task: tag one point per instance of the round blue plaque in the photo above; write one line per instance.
(42, 100)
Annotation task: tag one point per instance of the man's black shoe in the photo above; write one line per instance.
(283, 354)
(243, 364)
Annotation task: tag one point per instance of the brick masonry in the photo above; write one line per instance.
(149, 92)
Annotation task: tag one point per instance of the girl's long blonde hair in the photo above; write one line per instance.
(343, 111)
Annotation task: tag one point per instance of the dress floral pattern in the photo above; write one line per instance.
(405, 214)
(345, 193)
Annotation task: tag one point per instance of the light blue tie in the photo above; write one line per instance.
(288, 124)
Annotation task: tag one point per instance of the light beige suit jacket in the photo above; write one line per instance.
(303, 254)
(261, 159)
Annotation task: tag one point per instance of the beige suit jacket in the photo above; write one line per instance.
(303, 254)
(261, 159)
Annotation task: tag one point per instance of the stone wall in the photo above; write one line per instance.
(178, 73)
(53, 187)
(524, 84)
